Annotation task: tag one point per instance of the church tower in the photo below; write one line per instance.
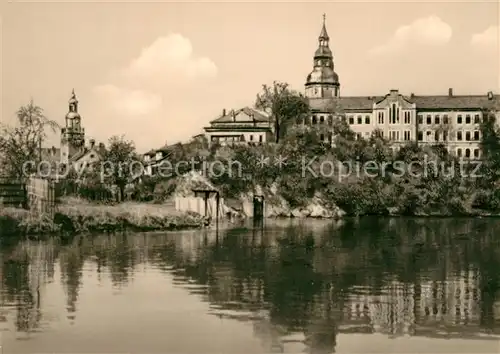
(323, 82)
(72, 135)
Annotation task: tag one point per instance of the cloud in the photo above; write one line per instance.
(170, 59)
(134, 101)
(127, 102)
(431, 31)
(487, 39)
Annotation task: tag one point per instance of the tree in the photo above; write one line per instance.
(120, 164)
(22, 143)
(490, 146)
(284, 104)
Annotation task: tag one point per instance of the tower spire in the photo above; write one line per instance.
(323, 36)
(73, 102)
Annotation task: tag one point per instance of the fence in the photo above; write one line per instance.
(12, 193)
(41, 196)
(197, 205)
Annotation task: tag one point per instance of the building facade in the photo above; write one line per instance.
(451, 119)
(246, 125)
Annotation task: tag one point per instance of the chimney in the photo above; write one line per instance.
(412, 95)
(490, 95)
(223, 112)
(92, 143)
(234, 115)
(101, 146)
(450, 92)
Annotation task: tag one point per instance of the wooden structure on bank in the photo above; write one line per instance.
(206, 202)
(41, 196)
(258, 207)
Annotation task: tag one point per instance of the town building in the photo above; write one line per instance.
(155, 159)
(73, 150)
(450, 119)
(245, 125)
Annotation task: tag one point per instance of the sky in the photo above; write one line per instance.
(159, 72)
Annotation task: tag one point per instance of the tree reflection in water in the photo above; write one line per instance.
(405, 276)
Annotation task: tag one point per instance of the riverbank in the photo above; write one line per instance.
(78, 216)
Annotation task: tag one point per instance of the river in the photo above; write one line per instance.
(370, 285)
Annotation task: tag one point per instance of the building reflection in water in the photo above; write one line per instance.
(297, 282)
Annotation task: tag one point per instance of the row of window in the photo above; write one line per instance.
(443, 136)
(393, 118)
(446, 120)
(476, 153)
(237, 138)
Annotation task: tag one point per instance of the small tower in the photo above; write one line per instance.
(72, 135)
(323, 82)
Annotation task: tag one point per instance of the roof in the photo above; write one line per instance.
(345, 103)
(245, 114)
(83, 153)
(456, 102)
(165, 148)
(361, 103)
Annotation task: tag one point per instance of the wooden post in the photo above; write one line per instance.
(217, 199)
(206, 203)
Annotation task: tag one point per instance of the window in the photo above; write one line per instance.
(437, 120)
(322, 137)
(445, 119)
(429, 119)
(467, 152)
(358, 136)
(315, 120)
(407, 135)
(360, 120)
(420, 119)
(380, 117)
(459, 120)
(459, 136)
(467, 120)
(367, 120)
(393, 114)
(445, 135)
(407, 117)
(436, 136)
(394, 135)
(476, 135)
(92, 156)
(260, 138)
(476, 153)
(330, 120)
(351, 120)
(322, 120)
(476, 121)
(251, 137)
(459, 152)
(420, 136)
(467, 136)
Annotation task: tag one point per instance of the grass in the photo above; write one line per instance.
(78, 216)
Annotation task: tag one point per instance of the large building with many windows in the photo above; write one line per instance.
(451, 119)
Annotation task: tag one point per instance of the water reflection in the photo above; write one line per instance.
(296, 283)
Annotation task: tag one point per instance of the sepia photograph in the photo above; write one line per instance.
(249, 177)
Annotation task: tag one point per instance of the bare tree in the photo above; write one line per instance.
(22, 143)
